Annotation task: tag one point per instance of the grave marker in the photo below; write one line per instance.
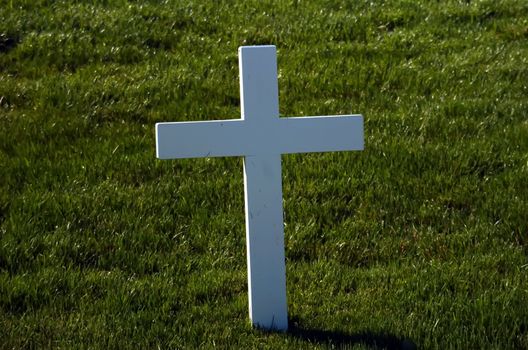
(260, 136)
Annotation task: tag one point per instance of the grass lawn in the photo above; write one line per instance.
(419, 241)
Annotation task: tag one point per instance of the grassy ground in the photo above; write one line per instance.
(420, 240)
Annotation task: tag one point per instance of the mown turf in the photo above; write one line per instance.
(420, 241)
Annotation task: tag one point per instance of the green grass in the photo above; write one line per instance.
(421, 239)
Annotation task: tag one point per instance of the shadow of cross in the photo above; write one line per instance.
(260, 136)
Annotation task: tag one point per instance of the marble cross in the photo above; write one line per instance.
(260, 136)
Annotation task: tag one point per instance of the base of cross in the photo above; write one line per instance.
(260, 136)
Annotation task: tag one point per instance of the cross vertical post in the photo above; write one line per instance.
(263, 192)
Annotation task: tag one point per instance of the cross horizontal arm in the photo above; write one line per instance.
(217, 138)
(321, 134)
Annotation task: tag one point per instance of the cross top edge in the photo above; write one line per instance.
(257, 47)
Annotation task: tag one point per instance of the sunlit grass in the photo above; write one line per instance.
(420, 239)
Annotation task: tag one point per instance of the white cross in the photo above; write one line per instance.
(260, 136)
